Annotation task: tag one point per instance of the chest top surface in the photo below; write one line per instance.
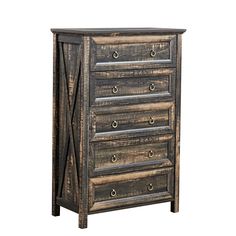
(117, 31)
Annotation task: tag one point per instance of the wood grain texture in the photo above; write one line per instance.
(84, 136)
(129, 187)
(69, 76)
(133, 52)
(130, 54)
(132, 120)
(175, 203)
(117, 31)
(137, 151)
(55, 130)
(100, 40)
(132, 86)
(71, 39)
(133, 202)
(135, 120)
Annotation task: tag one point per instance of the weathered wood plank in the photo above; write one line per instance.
(132, 39)
(131, 188)
(118, 31)
(133, 52)
(125, 177)
(69, 39)
(113, 156)
(131, 86)
(130, 108)
(67, 204)
(132, 73)
(55, 130)
(69, 77)
(134, 120)
(84, 136)
(175, 203)
(110, 53)
(137, 201)
(112, 191)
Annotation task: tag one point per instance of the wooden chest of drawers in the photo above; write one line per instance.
(116, 119)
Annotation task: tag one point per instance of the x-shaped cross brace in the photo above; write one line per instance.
(70, 108)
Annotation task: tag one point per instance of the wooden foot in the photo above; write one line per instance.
(83, 221)
(174, 206)
(55, 210)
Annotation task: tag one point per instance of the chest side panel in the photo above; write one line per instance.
(70, 50)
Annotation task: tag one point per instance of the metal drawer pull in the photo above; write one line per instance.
(151, 121)
(152, 87)
(153, 53)
(113, 193)
(150, 187)
(114, 158)
(150, 153)
(115, 54)
(114, 124)
(114, 89)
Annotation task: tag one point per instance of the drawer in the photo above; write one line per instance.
(133, 119)
(130, 189)
(132, 154)
(115, 87)
(111, 53)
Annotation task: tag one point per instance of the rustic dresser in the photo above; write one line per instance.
(116, 119)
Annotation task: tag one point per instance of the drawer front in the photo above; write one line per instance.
(111, 53)
(132, 86)
(131, 188)
(137, 153)
(133, 119)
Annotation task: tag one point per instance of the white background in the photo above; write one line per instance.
(207, 196)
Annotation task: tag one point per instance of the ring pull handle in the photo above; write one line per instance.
(114, 124)
(153, 53)
(151, 121)
(113, 193)
(114, 158)
(152, 87)
(150, 153)
(115, 54)
(150, 187)
(115, 89)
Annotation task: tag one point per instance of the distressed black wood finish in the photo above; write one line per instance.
(125, 155)
(117, 31)
(130, 188)
(132, 86)
(133, 52)
(160, 85)
(175, 203)
(134, 117)
(55, 135)
(116, 119)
